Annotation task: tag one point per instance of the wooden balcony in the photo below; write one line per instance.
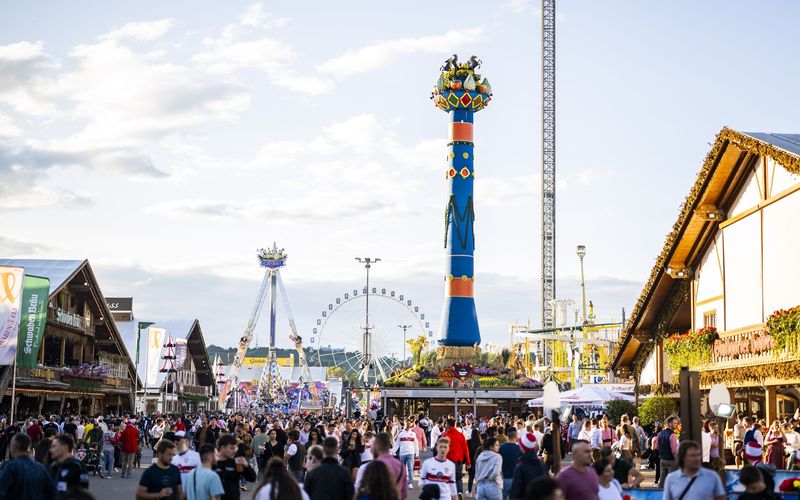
(749, 346)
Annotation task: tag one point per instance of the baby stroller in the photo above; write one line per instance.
(92, 460)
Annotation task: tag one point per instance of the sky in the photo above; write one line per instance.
(166, 142)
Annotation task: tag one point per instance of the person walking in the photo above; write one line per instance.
(574, 429)
(329, 480)
(579, 480)
(232, 468)
(458, 454)
(668, 449)
(381, 449)
(202, 483)
(68, 473)
(406, 448)
(378, 484)
(21, 476)
(475, 445)
(510, 452)
(295, 455)
(109, 444)
(162, 480)
(609, 488)
(690, 481)
(440, 471)
(186, 460)
(278, 483)
(528, 468)
(129, 447)
(259, 441)
(489, 472)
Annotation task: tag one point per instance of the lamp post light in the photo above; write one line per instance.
(404, 327)
(366, 344)
(581, 251)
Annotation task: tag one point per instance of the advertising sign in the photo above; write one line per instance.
(11, 281)
(35, 293)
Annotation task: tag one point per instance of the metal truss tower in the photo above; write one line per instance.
(548, 160)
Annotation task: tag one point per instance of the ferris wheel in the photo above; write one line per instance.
(337, 338)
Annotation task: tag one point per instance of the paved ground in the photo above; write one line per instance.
(117, 488)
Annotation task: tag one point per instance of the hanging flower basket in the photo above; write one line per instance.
(690, 348)
(783, 326)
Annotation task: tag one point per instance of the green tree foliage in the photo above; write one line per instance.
(616, 408)
(657, 409)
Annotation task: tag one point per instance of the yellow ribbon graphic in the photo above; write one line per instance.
(8, 282)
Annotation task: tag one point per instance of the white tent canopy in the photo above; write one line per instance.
(584, 396)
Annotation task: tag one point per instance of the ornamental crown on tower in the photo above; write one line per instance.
(460, 86)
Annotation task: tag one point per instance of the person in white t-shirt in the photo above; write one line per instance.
(366, 455)
(406, 444)
(437, 431)
(440, 471)
(185, 460)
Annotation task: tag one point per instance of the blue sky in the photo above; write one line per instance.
(167, 141)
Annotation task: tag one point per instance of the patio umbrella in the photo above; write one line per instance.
(585, 396)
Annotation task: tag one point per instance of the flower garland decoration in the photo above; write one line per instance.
(690, 348)
(784, 325)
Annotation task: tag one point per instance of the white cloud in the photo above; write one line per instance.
(381, 54)
(24, 71)
(143, 31)
(126, 97)
(7, 127)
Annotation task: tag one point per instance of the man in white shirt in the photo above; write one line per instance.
(437, 431)
(406, 444)
(467, 429)
(185, 460)
(440, 471)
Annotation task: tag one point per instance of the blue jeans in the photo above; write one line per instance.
(408, 460)
(507, 486)
(488, 491)
(108, 462)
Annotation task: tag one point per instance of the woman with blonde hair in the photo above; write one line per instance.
(774, 442)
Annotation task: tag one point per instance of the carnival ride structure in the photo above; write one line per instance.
(270, 387)
(345, 343)
(568, 354)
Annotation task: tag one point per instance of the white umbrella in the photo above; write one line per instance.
(585, 396)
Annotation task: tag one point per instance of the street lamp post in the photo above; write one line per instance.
(404, 327)
(366, 345)
(581, 251)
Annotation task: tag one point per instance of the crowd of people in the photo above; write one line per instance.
(213, 455)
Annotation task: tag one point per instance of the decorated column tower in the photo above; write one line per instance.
(460, 92)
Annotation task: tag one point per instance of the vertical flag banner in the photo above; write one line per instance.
(155, 341)
(35, 293)
(181, 354)
(10, 300)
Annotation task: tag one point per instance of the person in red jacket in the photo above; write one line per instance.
(458, 454)
(130, 446)
(35, 431)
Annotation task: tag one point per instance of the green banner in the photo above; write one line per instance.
(34, 316)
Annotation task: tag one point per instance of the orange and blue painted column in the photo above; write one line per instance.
(459, 324)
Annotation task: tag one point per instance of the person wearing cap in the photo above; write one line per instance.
(185, 460)
(528, 467)
(510, 451)
(129, 447)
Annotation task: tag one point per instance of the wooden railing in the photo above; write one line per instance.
(748, 346)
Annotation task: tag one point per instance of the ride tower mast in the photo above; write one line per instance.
(548, 160)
